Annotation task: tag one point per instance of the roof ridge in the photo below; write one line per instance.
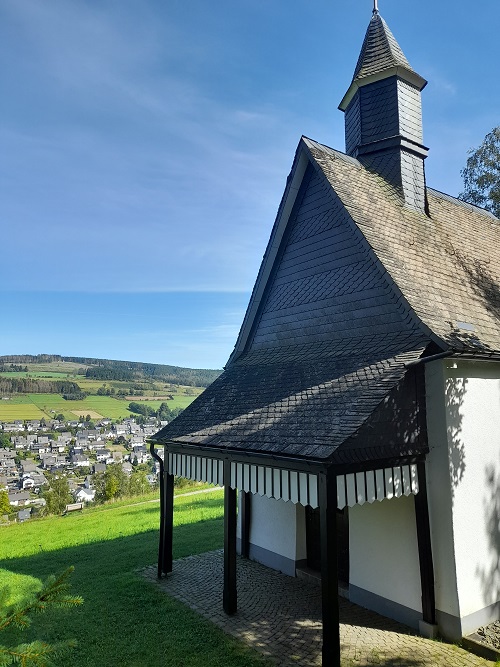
(461, 202)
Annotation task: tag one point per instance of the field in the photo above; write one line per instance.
(48, 405)
(38, 406)
(124, 620)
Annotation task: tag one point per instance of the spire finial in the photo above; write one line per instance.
(375, 6)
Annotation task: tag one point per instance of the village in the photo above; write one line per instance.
(76, 450)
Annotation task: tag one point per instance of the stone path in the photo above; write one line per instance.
(280, 617)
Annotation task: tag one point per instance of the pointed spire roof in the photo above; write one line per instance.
(380, 50)
(380, 57)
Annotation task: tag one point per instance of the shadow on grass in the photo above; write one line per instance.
(124, 619)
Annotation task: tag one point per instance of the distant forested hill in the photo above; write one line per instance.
(108, 369)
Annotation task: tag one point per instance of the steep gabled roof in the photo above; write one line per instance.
(446, 265)
(353, 287)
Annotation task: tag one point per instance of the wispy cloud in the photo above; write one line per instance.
(166, 186)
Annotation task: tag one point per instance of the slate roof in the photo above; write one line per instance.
(446, 265)
(306, 385)
(380, 50)
(302, 401)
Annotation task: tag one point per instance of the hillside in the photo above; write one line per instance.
(45, 386)
(110, 369)
(124, 619)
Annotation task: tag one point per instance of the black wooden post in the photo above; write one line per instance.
(329, 568)
(168, 524)
(245, 520)
(425, 548)
(230, 594)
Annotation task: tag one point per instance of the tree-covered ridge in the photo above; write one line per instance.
(109, 369)
(37, 386)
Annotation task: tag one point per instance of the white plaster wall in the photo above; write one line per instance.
(439, 491)
(278, 526)
(383, 550)
(473, 402)
(463, 403)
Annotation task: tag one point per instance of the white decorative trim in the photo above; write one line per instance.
(298, 487)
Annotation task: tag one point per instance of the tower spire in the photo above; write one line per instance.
(383, 116)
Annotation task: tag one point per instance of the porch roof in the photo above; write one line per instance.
(335, 402)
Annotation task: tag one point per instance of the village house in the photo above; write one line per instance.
(84, 495)
(19, 498)
(102, 455)
(356, 422)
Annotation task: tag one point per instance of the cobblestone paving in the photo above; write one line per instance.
(280, 617)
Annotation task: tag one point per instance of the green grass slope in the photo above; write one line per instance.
(125, 621)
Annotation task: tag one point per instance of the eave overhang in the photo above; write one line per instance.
(398, 70)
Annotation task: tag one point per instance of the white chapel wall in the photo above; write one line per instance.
(463, 403)
(277, 533)
(384, 568)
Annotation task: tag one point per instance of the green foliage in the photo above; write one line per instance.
(4, 440)
(141, 409)
(58, 495)
(5, 507)
(108, 369)
(10, 385)
(138, 483)
(111, 484)
(54, 593)
(482, 174)
(75, 395)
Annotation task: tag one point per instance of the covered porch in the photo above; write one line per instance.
(280, 617)
(299, 483)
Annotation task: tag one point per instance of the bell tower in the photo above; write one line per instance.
(383, 114)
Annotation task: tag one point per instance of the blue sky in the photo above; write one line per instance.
(145, 145)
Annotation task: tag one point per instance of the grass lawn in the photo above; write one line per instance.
(124, 620)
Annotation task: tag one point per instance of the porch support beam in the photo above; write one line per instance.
(425, 548)
(329, 568)
(167, 532)
(229, 594)
(246, 517)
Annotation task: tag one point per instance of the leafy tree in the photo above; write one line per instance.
(54, 593)
(58, 495)
(60, 417)
(138, 484)
(5, 507)
(482, 174)
(4, 440)
(110, 484)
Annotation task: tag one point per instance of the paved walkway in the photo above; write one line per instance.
(280, 617)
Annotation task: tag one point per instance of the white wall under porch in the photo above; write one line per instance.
(463, 468)
(384, 568)
(277, 533)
